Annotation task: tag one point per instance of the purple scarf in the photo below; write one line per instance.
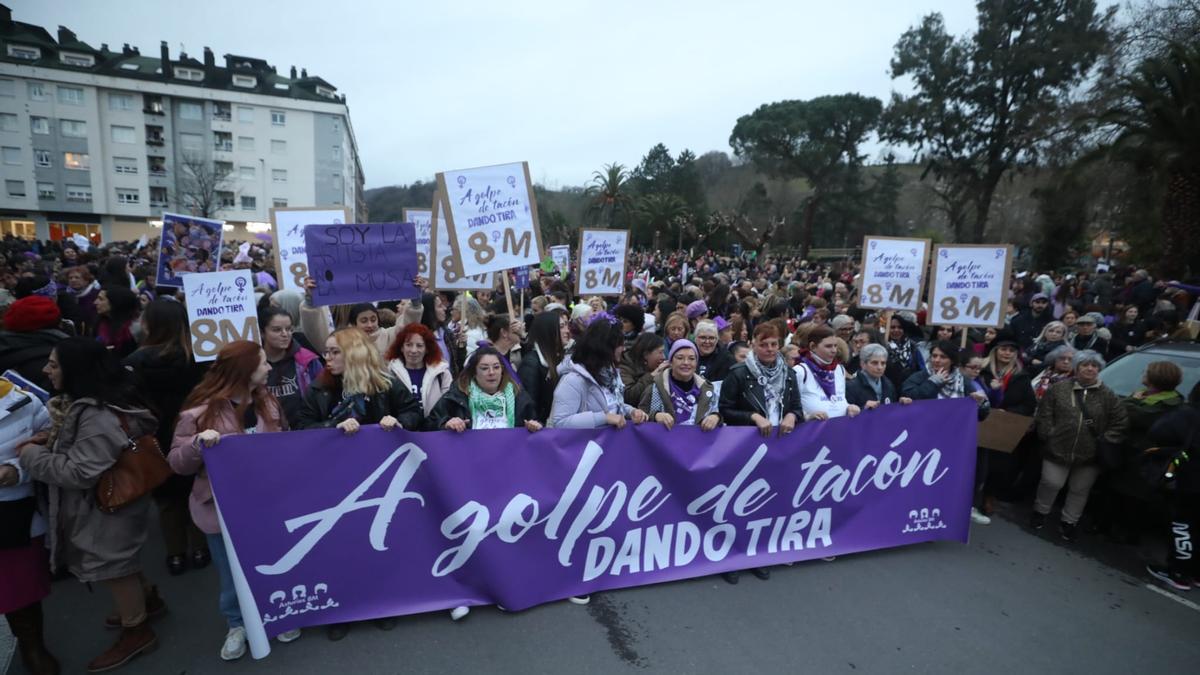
(826, 375)
(683, 400)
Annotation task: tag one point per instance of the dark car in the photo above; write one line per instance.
(1124, 374)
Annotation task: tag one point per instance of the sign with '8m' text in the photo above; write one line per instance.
(492, 218)
(602, 262)
(220, 308)
(893, 270)
(969, 285)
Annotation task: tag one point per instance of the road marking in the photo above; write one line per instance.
(1183, 601)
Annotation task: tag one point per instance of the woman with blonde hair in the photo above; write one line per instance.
(473, 319)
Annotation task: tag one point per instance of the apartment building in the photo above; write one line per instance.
(101, 142)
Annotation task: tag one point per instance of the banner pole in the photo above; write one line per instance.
(508, 295)
(964, 338)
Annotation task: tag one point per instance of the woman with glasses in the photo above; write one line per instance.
(293, 368)
(714, 360)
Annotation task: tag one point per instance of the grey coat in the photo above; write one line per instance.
(579, 401)
(94, 545)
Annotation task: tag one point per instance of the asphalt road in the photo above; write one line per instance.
(1010, 601)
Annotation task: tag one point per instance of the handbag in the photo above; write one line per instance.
(139, 468)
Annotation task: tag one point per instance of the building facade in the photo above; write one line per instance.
(101, 142)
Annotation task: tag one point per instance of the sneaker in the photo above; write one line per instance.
(1180, 582)
(289, 636)
(1037, 520)
(580, 599)
(235, 644)
(1068, 531)
(460, 612)
(731, 577)
(978, 518)
(761, 572)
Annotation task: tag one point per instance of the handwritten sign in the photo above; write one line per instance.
(968, 285)
(893, 272)
(446, 273)
(491, 215)
(561, 255)
(189, 245)
(291, 260)
(362, 262)
(221, 309)
(422, 220)
(602, 262)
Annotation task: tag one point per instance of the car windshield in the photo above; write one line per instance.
(1124, 376)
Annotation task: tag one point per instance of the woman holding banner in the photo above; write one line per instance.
(549, 334)
(415, 360)
(293, 368)
(231, 399)
(821, 378)
(679, 395)
(590, 395)
(640, 363)
(484, 397)
(870, 388)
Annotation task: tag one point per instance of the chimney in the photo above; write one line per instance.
(304, 72)
(65, 35)
(209, 60)
(293, 72)
(103, 46)
(166, 60)
(5, 16)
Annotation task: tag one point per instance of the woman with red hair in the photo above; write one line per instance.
(415, 359)
(231, 399)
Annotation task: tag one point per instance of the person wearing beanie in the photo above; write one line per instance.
(29, 335)
(680, 396)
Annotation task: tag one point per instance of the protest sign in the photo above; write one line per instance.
(893, 273)
(362, 262)
(446, 274)
(968, 285)
(221, 309)
(188, 245)
(288, 224)
(491, 216)
(408, 522)
(561, 255)
(602, 262)
(521, 278)
(422, 220)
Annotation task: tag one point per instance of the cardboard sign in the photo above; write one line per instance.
(362, 262)
(221, 309)
(969, 285)
(446, 273)
(602, 262)
(291, 260)
(1003, 430)
(492, 218)
(422, 220)
(189, 245)
(521, 278)
(893, 273)
(561, 255)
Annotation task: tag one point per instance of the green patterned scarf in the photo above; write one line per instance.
(501, 405)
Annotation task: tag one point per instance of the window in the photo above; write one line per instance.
(79, 193)
(337, 124)
(25, 53)
(279, 203)
(8, 122)
(125, 165)
(246, 172)
(120, 102)
(124, 134)
(157, 166)
(130, 66)
(223, 169)
(76, 160)
(221, 111)
(72, 128)
(39, 125)
(337, 152)
(278, 118)
(190, 74)
(278, 175)
(42, 158)
(158, 196)
(226, 199)
(152, 104)
(81, 60)
(282, 86)
(8, 88)
(127, 196)
(244, 81)
(154, 135)
(278, 147)
(38, 91)
(191, 142)
(15, 188)
(70, 95)
(245, 142)
(11, 155)
(190, 111)
(223, 141)
(324, 91)
(46, 191)
(249, 203)
(245, 115)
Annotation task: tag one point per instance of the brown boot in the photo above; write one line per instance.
(139, 639)
(155, 607)
(26, 625)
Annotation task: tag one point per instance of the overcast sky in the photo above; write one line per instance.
(567, 85)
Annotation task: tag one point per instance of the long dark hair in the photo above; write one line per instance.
(122, 305)
(429, 312)
(596, 347)
(468, 372)
(114, 271)
(643, 345)
(90, 370)
(545, 334)
(167, 328)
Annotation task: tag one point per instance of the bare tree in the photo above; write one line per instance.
(200, 186)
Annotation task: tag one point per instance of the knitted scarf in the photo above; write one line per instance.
(501, 405)
(825, 373)
(771, 378)
(952, 386)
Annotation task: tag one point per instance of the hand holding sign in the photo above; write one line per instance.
(220, 307)
(893, 272)
(362, 262)
(492, 217)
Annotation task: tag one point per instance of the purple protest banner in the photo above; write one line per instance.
(327, 528)
(362, 262)
(521, 278)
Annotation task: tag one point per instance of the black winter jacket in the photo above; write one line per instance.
(397, 401)
(859, 390)
(742, 396)
(715, 367)
(454, 403)
(535, 380)
(27, 353)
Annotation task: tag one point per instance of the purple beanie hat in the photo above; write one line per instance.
(682, 343)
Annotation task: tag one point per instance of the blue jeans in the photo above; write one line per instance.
(229, 602)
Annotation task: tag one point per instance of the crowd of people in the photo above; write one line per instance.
(763, 341)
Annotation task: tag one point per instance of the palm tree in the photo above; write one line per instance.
(657, 213)
(609, 192)
(1158, 125)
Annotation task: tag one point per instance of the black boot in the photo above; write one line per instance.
(26, 625)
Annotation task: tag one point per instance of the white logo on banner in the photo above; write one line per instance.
(299, 601)
(923, 520)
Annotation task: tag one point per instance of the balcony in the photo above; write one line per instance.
(154, 140)
(226, 146)
(223, 116)
(153, 110)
